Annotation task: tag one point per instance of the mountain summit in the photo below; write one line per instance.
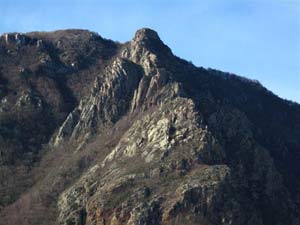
(97, 132)
(145, 34)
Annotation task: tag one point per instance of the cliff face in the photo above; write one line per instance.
(97, 132)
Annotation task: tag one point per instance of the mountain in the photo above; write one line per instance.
(95, 132)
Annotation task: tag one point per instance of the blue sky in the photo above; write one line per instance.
(259, 39)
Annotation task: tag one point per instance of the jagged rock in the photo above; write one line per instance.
(67, 127)
(29, 100)
(9, 38)
(172, 124)
(4, 106)
(198, 194)
(15, 38)
(109, 100)
(145, 214)
(137, 136)
(39, 43)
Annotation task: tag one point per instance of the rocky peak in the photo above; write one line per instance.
(146, 34)
(130, 82)
(147, 49)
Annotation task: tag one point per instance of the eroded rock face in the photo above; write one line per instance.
(152, 139)
(114, 90)
(174, 123)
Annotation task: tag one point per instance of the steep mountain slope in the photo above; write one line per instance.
(43, 76)
(97, 132)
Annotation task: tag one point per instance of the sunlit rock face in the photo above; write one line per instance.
(97, 132)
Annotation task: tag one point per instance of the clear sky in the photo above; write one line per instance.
(259, 39)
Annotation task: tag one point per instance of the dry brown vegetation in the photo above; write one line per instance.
(256, 132)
